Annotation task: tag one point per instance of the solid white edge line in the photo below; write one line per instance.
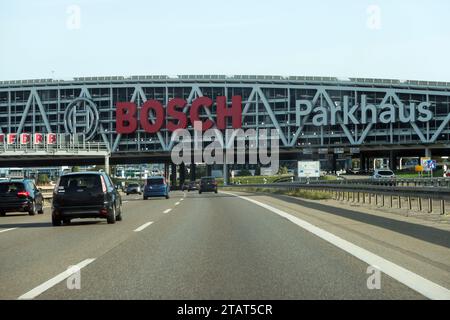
(412, 280)
(33, 293)
(4, 230)
(125, 201)
(167, 210)
(145, 225)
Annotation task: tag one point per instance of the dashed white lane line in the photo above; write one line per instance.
(414, 281)
(4, 230)
(33, 293)
(167, 210)
(181, 199)
(177, 203)
(145, 225)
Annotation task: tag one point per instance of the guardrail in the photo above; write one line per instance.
(370, 193)
(405, 182)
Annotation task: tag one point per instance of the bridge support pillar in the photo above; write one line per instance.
(182, 173)
(427, 152)
(208, 170)
(193, 173)
(173, 175)
(225, 174)
(166, 170)
(362, 162)
(107, 164)
(393, 160)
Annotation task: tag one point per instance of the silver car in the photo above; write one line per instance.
(133, 188)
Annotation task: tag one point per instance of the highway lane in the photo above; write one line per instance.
(216, 247)
(33, 251)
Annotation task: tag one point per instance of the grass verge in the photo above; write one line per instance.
(299, 193)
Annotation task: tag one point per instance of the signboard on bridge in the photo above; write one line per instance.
(309, 169)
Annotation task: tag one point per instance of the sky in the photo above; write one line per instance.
(393, 39)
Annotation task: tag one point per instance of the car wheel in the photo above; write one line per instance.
(111, 219)
(66, 221)
(215, 191)
(127, 193)
(119, 217)
(200, 192)
(56, 222)
(167, 196)
(32, 210)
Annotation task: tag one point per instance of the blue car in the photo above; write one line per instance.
(156, 187)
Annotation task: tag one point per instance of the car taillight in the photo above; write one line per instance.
(23, 193)
(103, 184)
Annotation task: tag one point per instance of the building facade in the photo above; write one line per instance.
(317, 117)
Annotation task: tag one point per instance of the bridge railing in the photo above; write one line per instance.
(67, 146)
(380, 195)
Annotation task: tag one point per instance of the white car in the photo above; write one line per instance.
(383, 174)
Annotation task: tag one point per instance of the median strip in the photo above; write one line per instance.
(4, 230)
(167, 210)
(414, 281)
(145, 225)
(54, 281)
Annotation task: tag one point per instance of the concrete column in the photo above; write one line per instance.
(427, 152)
(166, 170)
(334, 165)
(193, 172)
(182, 173)
(208, 170)
(393, 160)
(362, 162)
(173, 175)
(225, 174)
(107, 164)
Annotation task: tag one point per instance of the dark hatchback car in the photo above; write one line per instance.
(85, 195)
(20, 195)
(208, 184)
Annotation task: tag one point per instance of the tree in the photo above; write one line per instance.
(75, 169)
(43, 179)
(283, 170)
(244, 173)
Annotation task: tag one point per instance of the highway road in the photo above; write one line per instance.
(218, 246)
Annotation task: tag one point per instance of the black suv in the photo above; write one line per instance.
(20, 195)
(208, 184)
(85, 195)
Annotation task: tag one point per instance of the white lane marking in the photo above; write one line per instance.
(125, 201)
(414, 281)
(145, 225)
(177, 203)
(167, 210)
(181, 199)
(4, 230)
(33, 293)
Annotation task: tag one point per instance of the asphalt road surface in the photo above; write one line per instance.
(191, 246)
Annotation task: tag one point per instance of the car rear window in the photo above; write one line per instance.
(155, 181)
(385, 173)
(90, 181)
(11, 187)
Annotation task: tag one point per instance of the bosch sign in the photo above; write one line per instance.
(127, 117)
